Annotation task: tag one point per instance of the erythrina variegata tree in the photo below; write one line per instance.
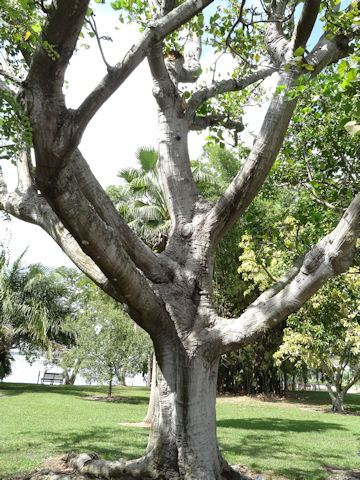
(168, 294)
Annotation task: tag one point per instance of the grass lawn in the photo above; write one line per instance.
(293, 438)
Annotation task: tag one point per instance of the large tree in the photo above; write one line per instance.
(169, 294)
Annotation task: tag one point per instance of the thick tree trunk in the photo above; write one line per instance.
(184, 428)
(182, 443)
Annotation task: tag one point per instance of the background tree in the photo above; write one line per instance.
(325, 335)
(140, 199)
(108, 345)
(34, 305)
(170, 294)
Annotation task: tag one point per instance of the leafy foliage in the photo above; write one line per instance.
(108, 344)
(325, 334)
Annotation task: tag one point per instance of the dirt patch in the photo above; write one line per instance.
(340, 474)
(53, 465)
(136, 424)
(102, 398)
(328, 410)
(256, 475)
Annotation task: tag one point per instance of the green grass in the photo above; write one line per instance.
(289, 438)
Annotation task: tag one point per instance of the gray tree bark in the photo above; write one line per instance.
(168, 294)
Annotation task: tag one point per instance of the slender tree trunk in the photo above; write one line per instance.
(110, 385)
(286, 386)
(153, 392)
(149, 370)
(122, 377)
(338, 402)
(337, 398)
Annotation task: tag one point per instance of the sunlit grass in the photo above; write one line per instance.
(286, 438)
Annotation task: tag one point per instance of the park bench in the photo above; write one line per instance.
(50, 377)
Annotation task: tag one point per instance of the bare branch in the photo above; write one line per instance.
(153, 33)
(106, 223)
(200, 123)
(250, 178)
(306, 23)
(94, 29)
(328, 51)
(223, 86)
(164, 72)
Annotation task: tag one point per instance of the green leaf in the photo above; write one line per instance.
(36, 28)
(280, 88)
(352, 127)
(299, 52)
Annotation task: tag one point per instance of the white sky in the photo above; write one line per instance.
(126, 122)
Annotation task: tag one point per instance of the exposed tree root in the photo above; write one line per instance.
(90, 466)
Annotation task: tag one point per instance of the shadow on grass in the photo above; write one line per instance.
(133, 400)
(352, 400)
(279, 425)
(109, 443)
(271, 441)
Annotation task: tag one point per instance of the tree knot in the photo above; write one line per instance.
(313, 259)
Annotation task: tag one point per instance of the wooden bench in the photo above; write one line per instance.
(52, 378)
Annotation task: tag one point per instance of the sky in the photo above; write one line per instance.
(125, 123)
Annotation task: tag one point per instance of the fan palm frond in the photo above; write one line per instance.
(147, 157)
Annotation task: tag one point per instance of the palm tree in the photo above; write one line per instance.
(32, 307)
(140, 199)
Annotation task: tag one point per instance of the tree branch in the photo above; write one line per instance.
(153, 33)
(275, 40)
(8, 72)
(6, 88)
(76, 196)
(227, 85)
(128, 286)
(200, 123)
(306, 23)
(247, 183)
(331, 256)
(61, 31)
(252, 175)
(92, 23)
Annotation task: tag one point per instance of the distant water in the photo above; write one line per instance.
(23, 372)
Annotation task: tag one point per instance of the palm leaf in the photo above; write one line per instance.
(147, 157)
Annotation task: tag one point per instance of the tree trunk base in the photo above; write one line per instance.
(90, 466)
